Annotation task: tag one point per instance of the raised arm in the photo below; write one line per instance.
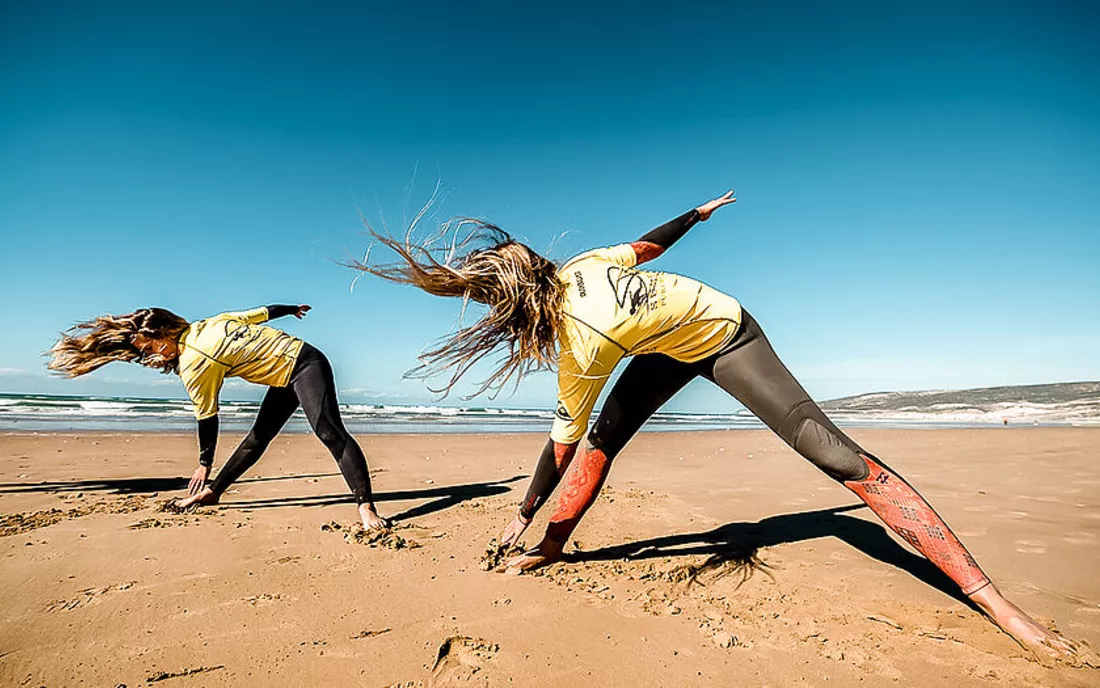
(656, 241)
(279, 311)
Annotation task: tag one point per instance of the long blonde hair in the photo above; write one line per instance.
(477, 261)
(91, 345)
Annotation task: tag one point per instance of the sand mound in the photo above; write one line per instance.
(14, 524)
(496, 553)
(378, 537)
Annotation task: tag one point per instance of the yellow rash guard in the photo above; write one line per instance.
(613, 310)
(233, 345)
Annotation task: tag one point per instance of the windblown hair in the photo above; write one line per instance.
(477, 261)
(91, 345)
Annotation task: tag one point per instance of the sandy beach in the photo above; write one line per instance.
(712, 559)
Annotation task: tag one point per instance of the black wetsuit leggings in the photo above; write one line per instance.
(313, 386)
(750, 371)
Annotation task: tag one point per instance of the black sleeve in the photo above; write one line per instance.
(667, 234)
(543, 484)
(208, 440)
(279, 311)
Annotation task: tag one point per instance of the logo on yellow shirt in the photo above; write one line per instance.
(629, 287)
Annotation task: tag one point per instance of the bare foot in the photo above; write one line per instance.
(1024, 629)
(371, 519)
(546, 553)
(207, 496)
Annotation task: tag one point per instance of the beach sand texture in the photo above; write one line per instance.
(711, 559)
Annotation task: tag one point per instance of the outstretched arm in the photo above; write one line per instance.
(656, 241)
(278, 311)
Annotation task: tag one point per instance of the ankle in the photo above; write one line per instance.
(551, 546)
(990, 600)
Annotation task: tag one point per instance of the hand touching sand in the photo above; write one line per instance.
(514, 531)
(198, 480)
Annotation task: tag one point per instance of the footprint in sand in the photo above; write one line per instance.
(1030, 498)
(796, 502)
(1012, 514)
(1031, 546)
(262, 599)
(1019, 588)
(978, 531)
(86, 597)
(978, 508)
(632, 607)
(463, 660)
(1079, 538)
(459, 661)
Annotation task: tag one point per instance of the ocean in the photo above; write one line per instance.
(56, 413)
(62, 413)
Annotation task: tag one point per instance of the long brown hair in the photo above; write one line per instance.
(477, 261)
(91, 345)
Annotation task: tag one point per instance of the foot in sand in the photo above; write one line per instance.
(1024, 629)
(371, 519)
(547, 552)
(206, 497)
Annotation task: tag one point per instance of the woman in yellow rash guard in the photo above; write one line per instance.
(204, 353)
(598, 308)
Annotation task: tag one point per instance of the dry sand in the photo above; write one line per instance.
(274, 587)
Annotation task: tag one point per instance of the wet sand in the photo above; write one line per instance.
(712, 559)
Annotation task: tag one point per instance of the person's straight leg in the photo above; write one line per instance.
(315, 386)
(753, 374)
(276, 409)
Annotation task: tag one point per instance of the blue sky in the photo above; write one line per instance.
(917, 181)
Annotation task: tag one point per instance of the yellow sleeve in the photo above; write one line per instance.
(577, 393)
(254, 316)
(620, 254)
(203, 386)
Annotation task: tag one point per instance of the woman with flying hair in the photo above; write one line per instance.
(596, 309)
(204, 353)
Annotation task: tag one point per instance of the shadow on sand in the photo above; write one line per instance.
(444, 498)
(132, 485)
(738, 543)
